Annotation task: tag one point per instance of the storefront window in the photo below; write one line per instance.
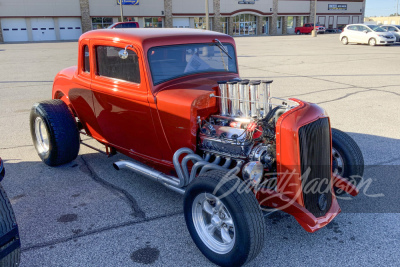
(200, 23)
(135, 19)
(303, 20)
(290, 21)
(265, 25)
(155, 22)
(224, 25)
(101, 22)
(244, 24)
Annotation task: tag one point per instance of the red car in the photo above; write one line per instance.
(308, 27)
(173, 100)
(124, 25)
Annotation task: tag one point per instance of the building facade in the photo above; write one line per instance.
(394, 20)
(46, 20)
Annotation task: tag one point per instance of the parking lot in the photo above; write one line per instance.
(85, 213)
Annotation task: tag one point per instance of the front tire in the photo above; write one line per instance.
(347, 158)
(372, 42)
(229, 231)
(54, 132)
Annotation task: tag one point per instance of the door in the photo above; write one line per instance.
(14, 30)
(363, 34)
(181, 22)
(120, 100)
(321, 21)
(70, 28)
(43, 29)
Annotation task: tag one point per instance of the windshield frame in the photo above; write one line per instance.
(234, 57)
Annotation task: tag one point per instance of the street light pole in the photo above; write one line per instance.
(207, 17)
(314, 34)
(122, 12)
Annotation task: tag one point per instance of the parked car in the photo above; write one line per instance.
(308, 27)
(333, 31)
(124, 25)
(10, 252)
(366, 34)
(394, 29)
(173, 100)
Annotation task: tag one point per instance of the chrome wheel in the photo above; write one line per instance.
(337, 163)
(213, 223)
(42, 136)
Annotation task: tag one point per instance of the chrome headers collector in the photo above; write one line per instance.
(244, 98)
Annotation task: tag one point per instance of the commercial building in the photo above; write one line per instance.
(44, 20)
(395, 20)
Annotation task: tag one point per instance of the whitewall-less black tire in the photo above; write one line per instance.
(229, 231)
(347, 158)
(54, 132)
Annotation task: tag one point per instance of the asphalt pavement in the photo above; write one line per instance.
(86, 213)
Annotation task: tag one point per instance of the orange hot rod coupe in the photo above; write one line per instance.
(172, 100)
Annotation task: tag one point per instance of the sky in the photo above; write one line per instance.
(381, 7)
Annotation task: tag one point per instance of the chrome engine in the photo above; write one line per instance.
(245, 128)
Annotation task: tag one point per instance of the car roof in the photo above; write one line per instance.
(156, 35)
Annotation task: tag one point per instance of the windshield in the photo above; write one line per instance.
(376, 28)
(173, 61)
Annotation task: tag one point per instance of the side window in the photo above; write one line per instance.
(391, 29)
(109, 64)
(119, 26)
(86, 61)
(353, 28)
(362, 28)
(307, 25)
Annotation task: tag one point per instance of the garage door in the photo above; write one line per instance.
(70, 28)
(14, 30)
(43, 29)
(181, 22)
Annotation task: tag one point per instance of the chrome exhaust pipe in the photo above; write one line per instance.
(168, 181)
(254, 98)
(234, 98)
(244, 98)
(223, 92)
(265, 94)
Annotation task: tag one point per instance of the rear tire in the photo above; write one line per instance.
(345, 40)
(54, 132)
(347, 158)
(237, 229)
(8, 223)
(298, 32)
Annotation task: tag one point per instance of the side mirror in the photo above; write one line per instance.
(123, 54)
(365, 31)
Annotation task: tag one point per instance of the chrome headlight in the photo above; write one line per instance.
(253, 171)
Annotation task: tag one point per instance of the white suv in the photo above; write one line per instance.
(366, 34)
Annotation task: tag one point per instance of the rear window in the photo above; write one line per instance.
(109, 64)
(86, 61)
